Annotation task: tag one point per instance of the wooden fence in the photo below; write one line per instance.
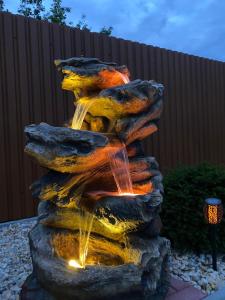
(192, 128)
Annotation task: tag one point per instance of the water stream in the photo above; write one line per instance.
(119, 164)
(86, 221)
(80, 113)
(124, 77)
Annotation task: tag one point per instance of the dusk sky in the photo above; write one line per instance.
(194, 27)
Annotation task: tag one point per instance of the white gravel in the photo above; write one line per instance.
(198, 271)
(15, 263)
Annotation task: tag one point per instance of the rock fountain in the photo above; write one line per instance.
(97, 235)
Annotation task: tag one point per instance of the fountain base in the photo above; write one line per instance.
(32, 290)
(143, 276)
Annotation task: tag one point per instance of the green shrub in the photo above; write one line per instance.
(186, 188)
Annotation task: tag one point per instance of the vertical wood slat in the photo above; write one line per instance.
(12, 166)
(222, 106)
(191, 130)
(3, 127)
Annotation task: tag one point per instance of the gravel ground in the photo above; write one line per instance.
(198, 271)
(15, 263)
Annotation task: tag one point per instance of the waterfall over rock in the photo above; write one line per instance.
(98, 231)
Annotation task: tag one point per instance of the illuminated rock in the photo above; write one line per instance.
(84, 75)
(97, 236)
(64, 149)
(136, 270)
(131, 110)
(64, 189)
(114, 216)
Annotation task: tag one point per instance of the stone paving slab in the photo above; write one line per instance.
(218, 295)
(181, 290)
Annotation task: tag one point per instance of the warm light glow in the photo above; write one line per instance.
(73, 263)
(110, 78)
(125, 78)
(128, 194)
(213, 214)
(213, 211)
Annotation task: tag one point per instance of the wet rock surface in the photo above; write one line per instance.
(114, 216)
(64, 188)
(15, 265)
(84, 75)
(99, 207)
(131, 111)
(64, 149)
(140, 270)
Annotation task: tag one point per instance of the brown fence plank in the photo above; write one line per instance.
(13, 188)
(4, 171)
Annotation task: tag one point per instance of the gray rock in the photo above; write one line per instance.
(113, 216)
(64, 189)
(143, 273)
(126, 258)
(141, 208)
(131, 110)
(64, 149)
(86, 66)
(85, 75)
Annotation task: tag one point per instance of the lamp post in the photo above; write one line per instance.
(213, 212)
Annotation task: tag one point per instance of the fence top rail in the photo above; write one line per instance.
(44, 22)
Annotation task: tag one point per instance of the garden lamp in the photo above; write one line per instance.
(213, 212)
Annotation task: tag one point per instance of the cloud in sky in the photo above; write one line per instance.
(194, 27)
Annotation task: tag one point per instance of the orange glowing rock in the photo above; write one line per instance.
(113, 78)
(82, 75)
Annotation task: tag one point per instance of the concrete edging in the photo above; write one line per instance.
(218, 295)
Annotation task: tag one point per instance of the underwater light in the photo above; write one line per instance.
(73, 263)
(127, 194)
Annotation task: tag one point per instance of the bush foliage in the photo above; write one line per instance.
(186, 188)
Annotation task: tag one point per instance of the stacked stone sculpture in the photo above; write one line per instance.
(126, 257)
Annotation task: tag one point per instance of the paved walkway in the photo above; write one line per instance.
(180, 290)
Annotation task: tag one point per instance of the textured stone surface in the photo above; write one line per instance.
(114, 216)
(65, 149)
(141, 208)
(65, 189)
(126, 258)
(146, 276)
(83, 75)
(131, 110)
(15, 264)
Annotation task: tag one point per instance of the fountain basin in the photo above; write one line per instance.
(140, 274)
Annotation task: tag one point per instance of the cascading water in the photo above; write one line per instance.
(119, 164)
(124, 78)
(80, 113)
(86, 219)
(85, 230)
